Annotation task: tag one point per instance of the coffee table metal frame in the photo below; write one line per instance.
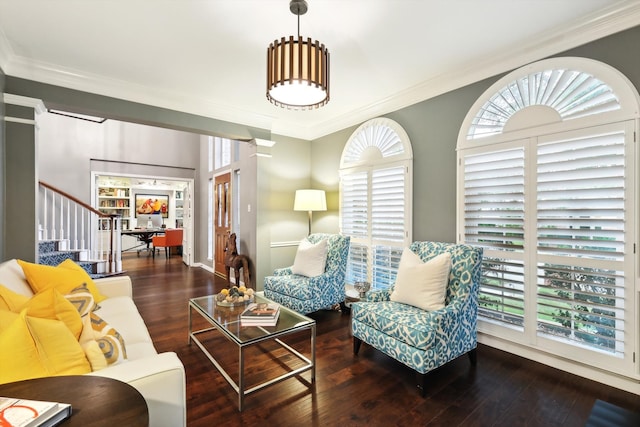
(289, 322)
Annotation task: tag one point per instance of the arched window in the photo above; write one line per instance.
(546, 163)
(375, 200)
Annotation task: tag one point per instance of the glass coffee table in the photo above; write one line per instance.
(226, 320)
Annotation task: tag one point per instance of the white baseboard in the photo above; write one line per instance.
(624, 383)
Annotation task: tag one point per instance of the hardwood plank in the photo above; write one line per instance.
(369, 389)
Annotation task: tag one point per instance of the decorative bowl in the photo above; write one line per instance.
(224, 303)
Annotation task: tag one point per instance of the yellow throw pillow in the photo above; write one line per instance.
(31, 347)
(51, 304)
(6, 318)
(41, 277)
(72, 265)
(10, 300)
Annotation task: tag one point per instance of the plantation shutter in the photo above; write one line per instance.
(357, 264)
(354, 218)
(355, 204)
(387, 223)
(494, 219)
(581, 240)
(376, 214)
(388, 204)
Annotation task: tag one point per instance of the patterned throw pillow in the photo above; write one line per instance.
(109, 340)
(96, 333)
(82, 300)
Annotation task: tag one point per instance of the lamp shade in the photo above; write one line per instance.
(297, 73)
(297, 69)
(310, 200)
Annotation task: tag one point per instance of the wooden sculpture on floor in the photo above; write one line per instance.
(233, 260)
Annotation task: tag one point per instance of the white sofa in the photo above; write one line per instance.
(160, 378)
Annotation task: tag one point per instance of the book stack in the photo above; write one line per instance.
(260, 314)
(32, 413)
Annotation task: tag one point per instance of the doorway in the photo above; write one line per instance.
(121, 194)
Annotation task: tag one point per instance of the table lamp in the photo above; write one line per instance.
(310, 200)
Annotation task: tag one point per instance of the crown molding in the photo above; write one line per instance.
(6, 51)
(24, 101)
(615, 19)
(100, 85)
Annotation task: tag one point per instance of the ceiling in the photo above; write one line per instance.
(209, 57)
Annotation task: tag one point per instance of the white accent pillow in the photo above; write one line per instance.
(310, 258)
(422, 284)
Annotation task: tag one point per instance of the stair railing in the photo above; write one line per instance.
(77, 226)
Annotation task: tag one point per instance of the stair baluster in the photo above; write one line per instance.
(79, 231)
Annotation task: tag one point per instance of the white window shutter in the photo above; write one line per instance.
(581, 238)
(494, 219)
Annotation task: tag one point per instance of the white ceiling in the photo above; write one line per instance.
(209, 57)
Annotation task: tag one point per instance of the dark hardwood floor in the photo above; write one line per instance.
(369, 389)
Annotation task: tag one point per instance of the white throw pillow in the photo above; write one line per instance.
(422, 285)
(310, 258)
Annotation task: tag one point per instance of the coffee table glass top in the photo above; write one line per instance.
(228, 318)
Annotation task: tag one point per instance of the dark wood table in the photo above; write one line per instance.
(96, 401)
(144, 236)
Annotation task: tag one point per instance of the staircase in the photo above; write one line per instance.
(50, 253)
(72, 229)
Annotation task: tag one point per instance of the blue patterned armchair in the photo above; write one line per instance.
(424, 340)
(309, 294)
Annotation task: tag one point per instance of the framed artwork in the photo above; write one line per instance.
(147, 204)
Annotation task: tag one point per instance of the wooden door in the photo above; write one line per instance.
(221, 219)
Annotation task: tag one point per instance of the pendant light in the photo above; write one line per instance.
(297, 69)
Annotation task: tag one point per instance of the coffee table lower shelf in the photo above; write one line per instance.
(240, 387)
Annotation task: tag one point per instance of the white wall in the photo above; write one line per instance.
(67, 146)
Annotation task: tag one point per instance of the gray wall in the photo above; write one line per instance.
(20, 179)
(112, 146)
(325, 163)
(2, 166)
(433, 127)
(289, 169)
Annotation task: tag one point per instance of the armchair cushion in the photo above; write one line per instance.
(310, 258)
(422, 284)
